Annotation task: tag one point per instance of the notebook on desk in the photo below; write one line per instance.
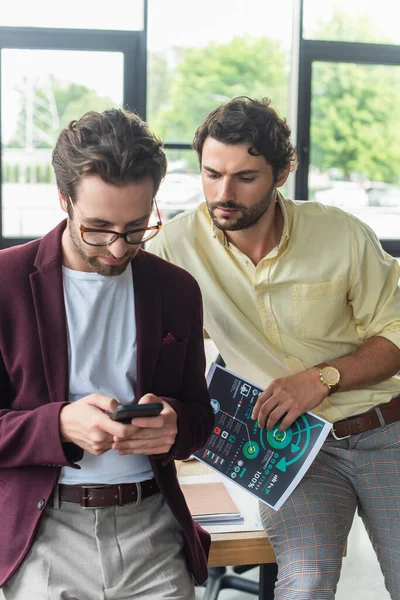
(211, 503)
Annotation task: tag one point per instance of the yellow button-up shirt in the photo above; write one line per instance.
(325, 289)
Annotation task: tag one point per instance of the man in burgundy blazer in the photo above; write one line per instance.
(34, 384)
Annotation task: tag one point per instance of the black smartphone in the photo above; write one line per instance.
(127, 412)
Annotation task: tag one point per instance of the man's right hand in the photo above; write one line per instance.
(85, 423)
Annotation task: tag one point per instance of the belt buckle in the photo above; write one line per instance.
(138, 493)
(336, 436)
(85, 497)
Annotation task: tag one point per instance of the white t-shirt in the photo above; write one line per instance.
(102, 354)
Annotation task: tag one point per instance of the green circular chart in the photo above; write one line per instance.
(251, 449)
(279, 439)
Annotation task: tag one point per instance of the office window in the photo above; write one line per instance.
(76, 14)
(41, 92)
(354, 150)
(203, 53)
(181, 188)
(368, 21)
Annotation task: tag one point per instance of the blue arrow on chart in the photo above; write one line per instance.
(283, 463)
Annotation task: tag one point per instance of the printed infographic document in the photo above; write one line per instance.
(267, 464)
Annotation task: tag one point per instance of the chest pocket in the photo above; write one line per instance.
(318, 307)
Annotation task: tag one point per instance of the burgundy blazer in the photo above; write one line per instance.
(34, 386)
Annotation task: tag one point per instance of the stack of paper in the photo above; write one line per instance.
(211, 504)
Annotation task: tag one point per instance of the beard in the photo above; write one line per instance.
(247, 217)
(93, 261)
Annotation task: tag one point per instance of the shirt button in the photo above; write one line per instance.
(41, 504)
(268, 324)
(261, 293)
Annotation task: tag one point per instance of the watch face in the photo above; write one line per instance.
(331, 375)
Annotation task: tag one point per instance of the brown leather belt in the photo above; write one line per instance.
(98, 496)
(389, 412)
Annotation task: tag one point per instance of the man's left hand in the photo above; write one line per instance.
(150, 435)
(289, 397)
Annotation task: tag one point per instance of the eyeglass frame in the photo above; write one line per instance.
(116, 234)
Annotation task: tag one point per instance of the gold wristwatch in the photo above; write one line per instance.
(329, 376)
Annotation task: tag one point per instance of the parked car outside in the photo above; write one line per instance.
(343, 194)
(179, 192)
(383, 194)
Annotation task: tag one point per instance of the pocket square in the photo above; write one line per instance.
(169, 339)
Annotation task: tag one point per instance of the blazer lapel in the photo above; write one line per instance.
(48, 298)
(148, 321)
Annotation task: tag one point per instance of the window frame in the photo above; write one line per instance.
(330, 51)
(132, 44)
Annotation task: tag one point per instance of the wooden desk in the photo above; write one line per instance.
(240, 548)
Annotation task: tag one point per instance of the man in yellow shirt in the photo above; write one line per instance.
(301, 299)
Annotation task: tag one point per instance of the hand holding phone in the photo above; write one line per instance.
(149, 436)
(127, 412)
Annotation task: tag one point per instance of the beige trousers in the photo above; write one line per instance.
(117, 553)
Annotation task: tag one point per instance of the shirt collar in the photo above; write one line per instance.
(287, 212)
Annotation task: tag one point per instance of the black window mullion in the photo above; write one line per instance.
(177, 146)
(354, 52)
(34, 38)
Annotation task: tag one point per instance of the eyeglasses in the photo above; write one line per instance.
(105, 237)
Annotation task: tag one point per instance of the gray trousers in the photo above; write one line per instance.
(309, 532)
(116, 553)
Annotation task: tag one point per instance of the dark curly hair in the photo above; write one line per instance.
(254, 122)
(115, 144)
